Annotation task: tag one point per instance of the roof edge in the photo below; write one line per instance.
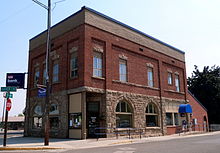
(197, 100)
(131, 28)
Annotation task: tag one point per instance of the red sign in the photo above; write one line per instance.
(8, 105)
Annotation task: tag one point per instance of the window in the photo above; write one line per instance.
(172, 119)
(54, 109)
(37, 117)
(74, 65)
(36, 76)
(123, 115)
(150, 76)
(97, 64)
(75, 120)
(170, 80)
(123, 70)
(177, 83)
(55, 71)
(54, 122)
(151, 115)
(37, 122)
(169, 119)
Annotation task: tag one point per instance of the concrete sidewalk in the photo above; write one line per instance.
(19, 142)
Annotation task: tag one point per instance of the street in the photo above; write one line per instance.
(195, 144)
(203, 144)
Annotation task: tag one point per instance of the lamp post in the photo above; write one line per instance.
(47, 103)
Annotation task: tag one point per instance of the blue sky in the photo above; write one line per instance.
(190, 25)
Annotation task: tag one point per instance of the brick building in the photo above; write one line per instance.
(104, 73)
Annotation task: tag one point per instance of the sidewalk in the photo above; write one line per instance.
(32, 143)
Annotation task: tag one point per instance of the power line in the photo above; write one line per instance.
(15, 13)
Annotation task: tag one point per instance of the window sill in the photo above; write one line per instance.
(153, 128)
(99, 78)
(172, 126)
(173, 91)
(134, 84)
(74, 78)
(54, 83)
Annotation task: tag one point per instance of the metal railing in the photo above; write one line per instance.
(129, 132)
(214, 127)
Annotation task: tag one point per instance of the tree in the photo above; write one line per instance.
(205, 85)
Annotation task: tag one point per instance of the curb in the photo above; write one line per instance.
(29, 148)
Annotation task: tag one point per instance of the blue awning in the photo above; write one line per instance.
(185, 108)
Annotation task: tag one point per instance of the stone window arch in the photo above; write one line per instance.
(123, 115)
(152, 115)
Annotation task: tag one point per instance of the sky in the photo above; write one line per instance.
(190, 25)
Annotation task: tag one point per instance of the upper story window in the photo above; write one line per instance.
(169, 78)
(55, 71)
(36, 76)
(177, 82)
(97, 64)
(123, 70)
(74, 65)
(150, 76)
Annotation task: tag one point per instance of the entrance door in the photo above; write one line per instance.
(92, 118)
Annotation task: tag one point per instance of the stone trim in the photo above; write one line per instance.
(134, 84)
(73, 49)
(97, 48)
(122, 56)
(177, 73)
(150, 65)
(99, 78)
(169, 70)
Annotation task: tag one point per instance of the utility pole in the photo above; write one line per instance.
(47, 103)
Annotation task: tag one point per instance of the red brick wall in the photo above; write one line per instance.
(113, 46)
(198, 112)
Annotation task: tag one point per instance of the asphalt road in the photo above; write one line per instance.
(201, 144)
(198, 144)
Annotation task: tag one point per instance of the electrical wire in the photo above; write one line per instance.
(55, 4)
(15, 13)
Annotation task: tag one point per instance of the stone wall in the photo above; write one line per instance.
(61, 99)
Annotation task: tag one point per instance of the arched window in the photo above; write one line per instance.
(151, 115)
(123, 115)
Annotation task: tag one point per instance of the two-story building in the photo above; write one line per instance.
(104, 73)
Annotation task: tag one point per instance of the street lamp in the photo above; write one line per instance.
(47, 104)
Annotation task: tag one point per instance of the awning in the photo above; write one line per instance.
(185, 108)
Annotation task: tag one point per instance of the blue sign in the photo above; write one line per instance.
(42, 92)
(15, 80)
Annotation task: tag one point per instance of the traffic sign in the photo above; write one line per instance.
(9, 95)
(6, 89)
(8, 105)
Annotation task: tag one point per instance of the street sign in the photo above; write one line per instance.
(6, 89)
(42, 92)
(9, 95)
(15, 80)
(8, 105)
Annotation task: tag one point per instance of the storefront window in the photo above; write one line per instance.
(169, 119)
(123, 115)
(75, 120)
(37, 122)
(54, 122)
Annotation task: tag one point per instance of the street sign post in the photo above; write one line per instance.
(8, 89)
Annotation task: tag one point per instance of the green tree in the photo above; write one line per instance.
(205, 85)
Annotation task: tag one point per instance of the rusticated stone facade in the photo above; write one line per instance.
(61, 100)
